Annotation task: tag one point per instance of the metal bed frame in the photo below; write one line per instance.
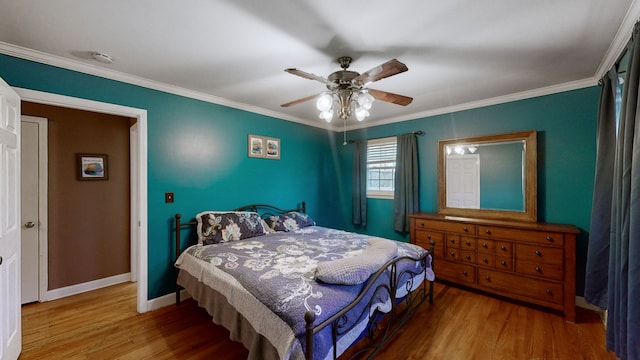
(381, 326)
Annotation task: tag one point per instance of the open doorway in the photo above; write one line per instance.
(138, 176)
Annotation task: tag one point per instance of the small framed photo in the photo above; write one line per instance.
(92, 167)
(272, 148)
(256, 146)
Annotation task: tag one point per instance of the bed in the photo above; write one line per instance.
(289, 289)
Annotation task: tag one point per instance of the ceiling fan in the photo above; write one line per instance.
(346, 87)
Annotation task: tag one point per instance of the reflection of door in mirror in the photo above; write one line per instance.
(498, 184)
(463, 181)
(502, 186)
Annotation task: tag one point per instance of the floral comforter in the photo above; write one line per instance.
(278, 270)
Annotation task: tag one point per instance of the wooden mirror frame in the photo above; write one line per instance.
(530, 212)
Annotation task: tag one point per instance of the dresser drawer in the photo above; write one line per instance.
(486, 246)
(447, 226)
(504, 263)
(550, 271)
(539, 254)
(468, 243)
(522, 286)
(468, 256)
(452, 241)
(452, 254)
(486, 259)
(539, 237)
(457, 272)
(504, 248)
(424, 238)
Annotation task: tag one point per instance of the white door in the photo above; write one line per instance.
(30, 186)
(463, 181)
(10, 314)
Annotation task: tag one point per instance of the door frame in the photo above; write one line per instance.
(43, 214)
(138, 159)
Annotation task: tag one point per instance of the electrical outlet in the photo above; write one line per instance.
(168, 197)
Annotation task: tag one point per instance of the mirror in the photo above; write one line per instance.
(493, 176)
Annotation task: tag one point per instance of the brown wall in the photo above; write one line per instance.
(88, 220)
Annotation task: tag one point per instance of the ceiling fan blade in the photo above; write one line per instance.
(390, 97)
(294, 102)
(387, 69)
(309, 76)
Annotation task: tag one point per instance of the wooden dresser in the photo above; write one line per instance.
(527, 261)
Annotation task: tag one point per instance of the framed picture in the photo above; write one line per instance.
(272, 148)
(92, 167)
(255, 146)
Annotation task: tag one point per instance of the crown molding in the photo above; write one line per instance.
(554, 89)
(620, 41)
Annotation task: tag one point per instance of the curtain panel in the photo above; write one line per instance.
(406, 189)
(623, 274)
(596, 284)
(359, 193)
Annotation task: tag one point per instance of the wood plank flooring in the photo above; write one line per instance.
(461, 324)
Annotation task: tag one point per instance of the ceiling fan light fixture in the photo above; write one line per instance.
(347, 90)
(365, 100)
(326, 115)
(324, 102)
(361, 113)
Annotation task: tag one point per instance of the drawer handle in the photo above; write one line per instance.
(503, 263)
(465, 273)
(548, 291)
(484, 245)
(468, 243)
(468, 257)
(504, 248)
(422, 223)
(488, 232)
(485, 260)
(488, 278)
(452, 253)
(538, 253)
(453, 241)
(538, 269)
(429, 236)
(549, 238)
(465, 229)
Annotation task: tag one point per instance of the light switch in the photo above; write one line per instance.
(168, 197)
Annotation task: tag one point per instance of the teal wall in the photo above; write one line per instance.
(566, 125)
(198, 150)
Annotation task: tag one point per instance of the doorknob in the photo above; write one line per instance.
(29, 224)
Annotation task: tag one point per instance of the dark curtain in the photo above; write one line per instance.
(597, 269)
(406, 194)
(359, 197)
(623, 281)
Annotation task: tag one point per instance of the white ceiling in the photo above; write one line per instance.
(460, 53)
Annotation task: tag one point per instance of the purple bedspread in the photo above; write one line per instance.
(278, 269)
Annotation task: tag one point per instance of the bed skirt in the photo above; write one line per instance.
(225, 315)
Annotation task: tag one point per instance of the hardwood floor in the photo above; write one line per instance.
(103, 324)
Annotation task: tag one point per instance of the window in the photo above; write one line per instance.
(381, 167)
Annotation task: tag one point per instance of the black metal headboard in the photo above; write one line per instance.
(266, 210)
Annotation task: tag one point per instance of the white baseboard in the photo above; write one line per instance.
(581, 302)
(84, 287)
(166, 300)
